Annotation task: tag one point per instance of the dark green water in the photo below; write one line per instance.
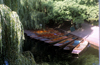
(45, 54)
(88, 57)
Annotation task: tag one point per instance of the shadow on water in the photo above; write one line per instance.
(45, 54)
(88, 57)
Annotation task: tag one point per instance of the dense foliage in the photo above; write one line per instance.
(12, 36)
(72, 10)
(87, 2)
(34, 14)
(59, 11)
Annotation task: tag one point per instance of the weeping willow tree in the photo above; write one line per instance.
(12, 36)
(32, 14)
(13, 4)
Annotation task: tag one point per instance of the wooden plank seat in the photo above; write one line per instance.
(73, 44)
(56, 36)
(66, 41)
(49, 36)
(56, 39)
(45, 37)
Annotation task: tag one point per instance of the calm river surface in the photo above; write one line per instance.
(46, 55)
(89, 57)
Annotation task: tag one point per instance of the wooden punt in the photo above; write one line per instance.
(49, 33)
(49, 36)
(44, 39)
(41, 35)
(29, 33)
(80, 47)
(56, 36)
(48, 30)
(34, 37)
(66, 41)
(39, 31)
(56, 40)
(73, 44)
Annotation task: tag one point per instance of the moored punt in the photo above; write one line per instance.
(73, 44)
(46, 34)
(29, 33)
(49, 36)
(56, 39)
(35, 37)
(43, 36)
(66, 41)
(80, 47)
(39, 31)
(44, 39)
(53, 37)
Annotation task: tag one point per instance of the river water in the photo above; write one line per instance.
(89, 57)
(49, 55)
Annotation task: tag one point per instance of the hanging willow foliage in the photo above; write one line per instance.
(12, 36)
(32, 14)
(13, 4)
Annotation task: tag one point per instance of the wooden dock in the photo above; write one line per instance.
(89, 33)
